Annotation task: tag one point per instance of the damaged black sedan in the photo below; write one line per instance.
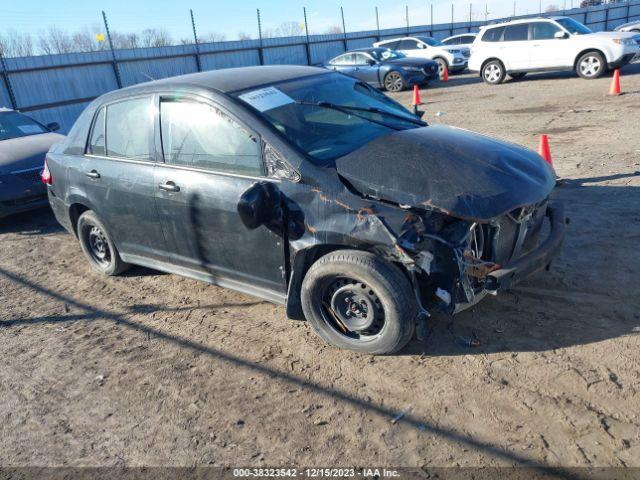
(307, 188)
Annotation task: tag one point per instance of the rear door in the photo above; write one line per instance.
(515, 47)
(210, 160)
(117, 176)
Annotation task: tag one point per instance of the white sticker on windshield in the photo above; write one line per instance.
(29, 128)
(266, 99)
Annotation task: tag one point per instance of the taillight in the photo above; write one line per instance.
(45, 175)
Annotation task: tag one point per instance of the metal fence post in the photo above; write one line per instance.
(378, 24)
(306, 31)
(4, 73)
(114, 61)
(628, 9)
(406, 15)
(344, 30)
(260, 48)
(452, 19)
(431, 34)
(195, 38)
(606, 18)
(469, 28)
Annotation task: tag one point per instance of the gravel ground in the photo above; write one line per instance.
(154, 369)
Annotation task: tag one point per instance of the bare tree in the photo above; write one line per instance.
(291, 29)
(54, 41)
(213, 37)
(244, 36)
(552, 8)
(334, 29)
(155, 37)
(16, 44)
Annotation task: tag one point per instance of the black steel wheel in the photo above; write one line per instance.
(358, 301)
(98, 246)
(393, 82)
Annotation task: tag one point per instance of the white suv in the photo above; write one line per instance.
(544, 44)
(453, 58)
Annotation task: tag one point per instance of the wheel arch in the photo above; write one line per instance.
(491, 59)
(441, 58)
(587, 50)
(300, 264)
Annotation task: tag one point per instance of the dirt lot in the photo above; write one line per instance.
(154, 369)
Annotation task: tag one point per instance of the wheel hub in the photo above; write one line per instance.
(98, 244)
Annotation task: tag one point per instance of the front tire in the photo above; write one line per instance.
(98, 247)
(393, 82)
(493, 72)
(358, 301)
(591, 65)
(442, 66)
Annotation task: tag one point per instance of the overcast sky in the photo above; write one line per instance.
(231, 17)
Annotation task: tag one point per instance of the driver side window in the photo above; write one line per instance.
(544, 30)
(408, 45)
(199, 135)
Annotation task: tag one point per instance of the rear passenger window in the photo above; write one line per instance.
(408, 45)
(493, 34)
(129, 129)
(452, 41)
(97, 143)
(517, 32)
(201, 136)
(391, 45)
(544, 30)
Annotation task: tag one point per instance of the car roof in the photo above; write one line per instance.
(473, 34)
(225, 80)
(520, 20)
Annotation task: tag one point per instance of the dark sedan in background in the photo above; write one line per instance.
(23, 146)
(384, 68)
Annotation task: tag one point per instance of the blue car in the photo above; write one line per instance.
(384, 68)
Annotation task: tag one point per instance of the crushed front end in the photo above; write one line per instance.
(458, 262)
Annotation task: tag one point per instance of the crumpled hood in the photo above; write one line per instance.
(455, 171)
(26, 152)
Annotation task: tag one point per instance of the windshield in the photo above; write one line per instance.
(382, 55)
(14, 125)
(431, 41)
(327, 133)
(573, 27)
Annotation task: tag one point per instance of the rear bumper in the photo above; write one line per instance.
(60, 210)
(534, 261)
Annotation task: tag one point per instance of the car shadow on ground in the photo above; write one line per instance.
(469, 78)
(90, 313)
(34, 222)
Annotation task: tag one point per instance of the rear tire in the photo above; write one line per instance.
(493, 72)
(98, 247)
(591, 65)
(358, 301)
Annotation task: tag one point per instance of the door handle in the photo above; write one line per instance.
(169, 187)
(92, 174)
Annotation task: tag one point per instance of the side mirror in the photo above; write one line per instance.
(371, 62)
(260, 204)
(53, 126)
(560, 35)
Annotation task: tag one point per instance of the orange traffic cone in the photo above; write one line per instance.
(445, 74)
(416, 96)
(614, 89)
(543, 149)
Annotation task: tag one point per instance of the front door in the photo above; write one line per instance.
(210, 160)
(548, 51)
(366, 69)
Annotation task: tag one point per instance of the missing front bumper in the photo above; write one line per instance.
(534, 261)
